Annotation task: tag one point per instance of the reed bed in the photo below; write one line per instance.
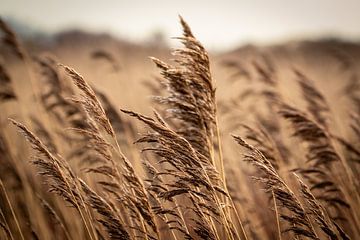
(92, 169)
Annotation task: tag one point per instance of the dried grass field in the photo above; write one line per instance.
(99, 141)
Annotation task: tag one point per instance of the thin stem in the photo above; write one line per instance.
(75, 201)
(221, 159)
(222, 172)
(12, 210)
(90, 218)
(122, 155)
(212, 224)
(181, 215)
(276, 215)
(237, 216)
(7, 225)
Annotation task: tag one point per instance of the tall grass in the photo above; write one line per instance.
(86, 180)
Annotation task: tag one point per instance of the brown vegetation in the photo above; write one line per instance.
(291, 171)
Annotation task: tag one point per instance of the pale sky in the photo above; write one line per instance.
(218, 24)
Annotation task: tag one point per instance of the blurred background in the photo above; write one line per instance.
(297, 34)
(220, 25)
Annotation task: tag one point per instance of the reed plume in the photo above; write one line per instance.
(10, 39)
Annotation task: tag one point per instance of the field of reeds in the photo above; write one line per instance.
(97, 141)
